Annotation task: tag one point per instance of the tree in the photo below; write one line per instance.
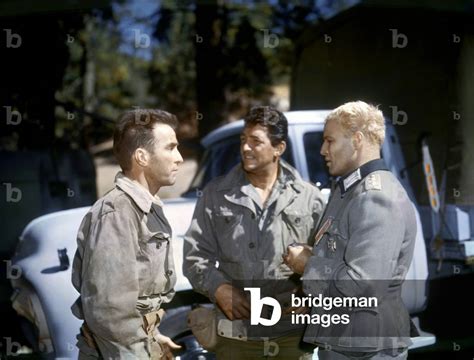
(208, 60)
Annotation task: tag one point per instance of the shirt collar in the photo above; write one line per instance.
(348, 181)
(281, 181)
(139, 194)
(236, 178)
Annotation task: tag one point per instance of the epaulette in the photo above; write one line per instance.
(373, 182)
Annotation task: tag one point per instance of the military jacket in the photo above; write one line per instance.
(363, 248)
(123, 268)
(232, 238)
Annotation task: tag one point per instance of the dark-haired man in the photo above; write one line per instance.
(241, 227)
(123, 267)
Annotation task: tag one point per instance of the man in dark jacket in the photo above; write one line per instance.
(364, 243)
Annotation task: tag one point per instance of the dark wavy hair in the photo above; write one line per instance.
(272, 119)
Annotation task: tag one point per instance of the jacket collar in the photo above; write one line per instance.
(239, 191)
(140, 195)
(348, 181)
(288, 176)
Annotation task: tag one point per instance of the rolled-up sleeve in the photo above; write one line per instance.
(110, 286)
(200, 251)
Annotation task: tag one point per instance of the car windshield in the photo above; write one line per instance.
(220, 158)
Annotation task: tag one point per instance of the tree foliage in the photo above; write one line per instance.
(206, 59)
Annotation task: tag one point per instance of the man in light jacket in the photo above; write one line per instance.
(241, 227)
(123, 267)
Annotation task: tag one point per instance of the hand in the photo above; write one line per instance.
(167, 346)
(232, 302)
(297, 257)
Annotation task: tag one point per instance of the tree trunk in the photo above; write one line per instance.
(209, 59)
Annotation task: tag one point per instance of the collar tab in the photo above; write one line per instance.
(353, 178)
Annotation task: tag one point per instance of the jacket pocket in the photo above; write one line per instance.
(226, 220)
(299, 224)
(153, 269)
(363, 330)
(230, 232)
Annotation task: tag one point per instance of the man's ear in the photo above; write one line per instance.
(280, 148)
(141, 157)
(357, 140)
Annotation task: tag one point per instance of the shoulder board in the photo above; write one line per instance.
(373, 182)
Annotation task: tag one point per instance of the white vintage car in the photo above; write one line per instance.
(44, 293)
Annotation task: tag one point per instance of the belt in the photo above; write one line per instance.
(150, 321)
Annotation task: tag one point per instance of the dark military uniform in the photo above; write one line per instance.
(123, 270)
(363, 248)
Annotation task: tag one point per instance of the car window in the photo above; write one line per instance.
(220, 158)
(317, 169)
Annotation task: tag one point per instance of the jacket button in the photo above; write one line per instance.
(251, 245)
(253, 216)
(227, 220)
(158, 245)
(297, 220)
(169, 272)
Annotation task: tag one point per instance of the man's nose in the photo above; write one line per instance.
(179, 159)
(245, 147)
(323, 149)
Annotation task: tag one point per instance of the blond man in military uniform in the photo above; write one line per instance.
(123, 267)
(364, 244)
(241, 227)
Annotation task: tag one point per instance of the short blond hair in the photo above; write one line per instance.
(359, 116)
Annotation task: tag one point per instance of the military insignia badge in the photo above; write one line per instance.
(373, 182)
(331, 244)
(322, 230)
